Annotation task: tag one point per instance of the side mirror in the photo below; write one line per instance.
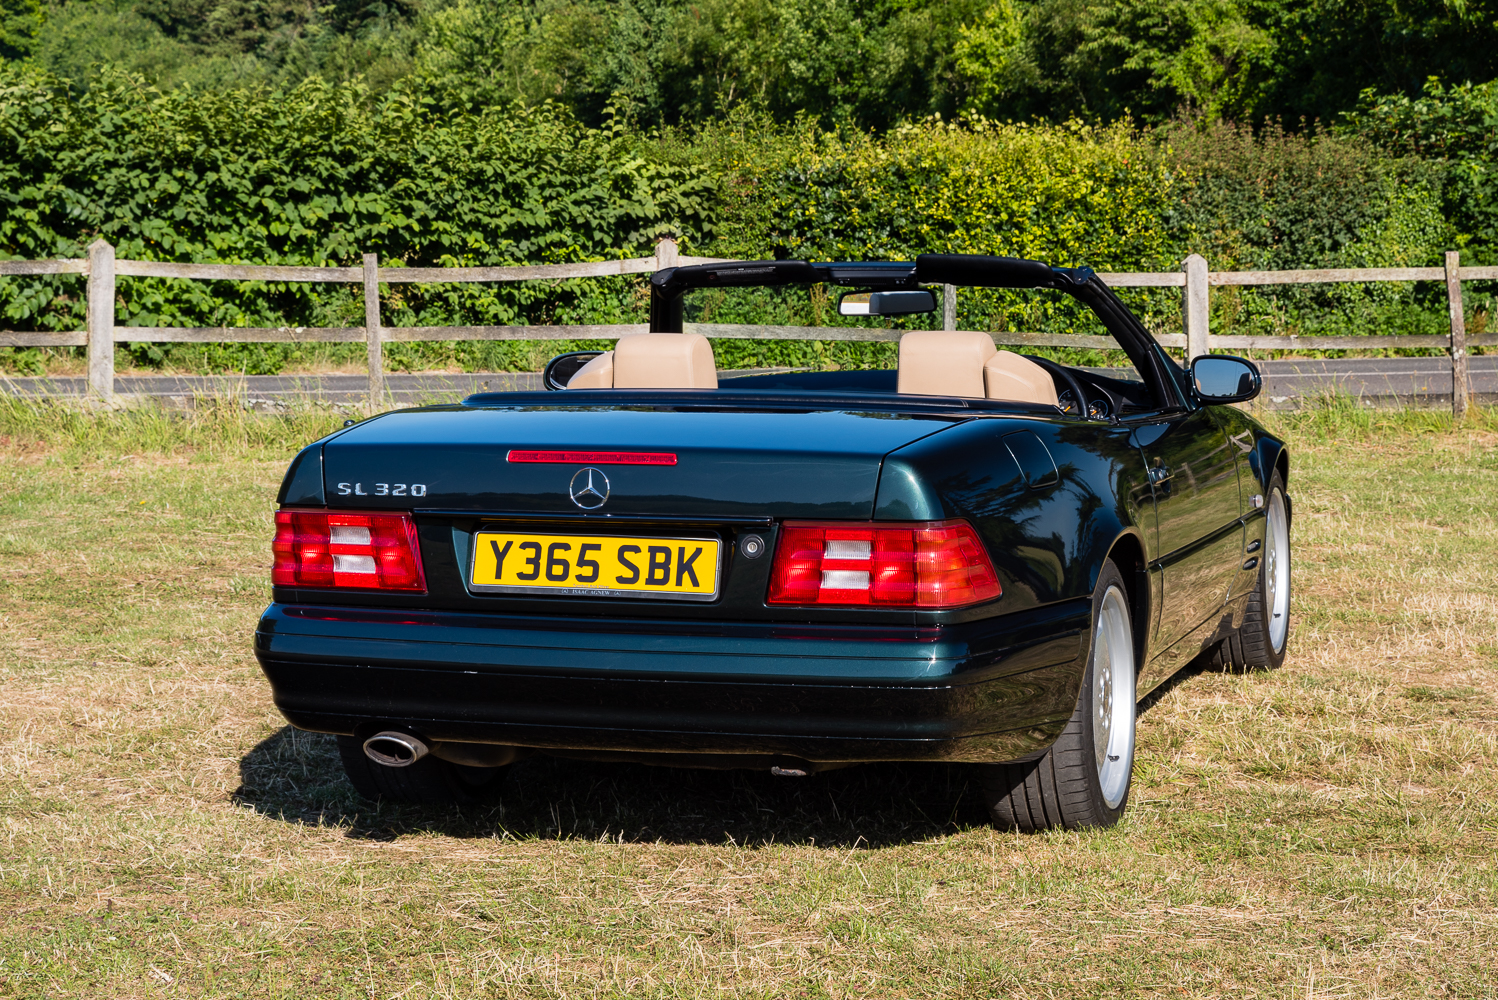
(1219, 378)
(560, 369)
(886, 303)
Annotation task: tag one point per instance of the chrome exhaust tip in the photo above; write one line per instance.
(394, 749)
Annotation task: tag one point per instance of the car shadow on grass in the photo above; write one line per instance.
(295, 777)
(1201, 665)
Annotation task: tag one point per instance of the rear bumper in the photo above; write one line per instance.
(992, 690)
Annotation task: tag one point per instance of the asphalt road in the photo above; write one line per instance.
(1377, 381)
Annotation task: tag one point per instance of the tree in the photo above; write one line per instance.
(20, 22)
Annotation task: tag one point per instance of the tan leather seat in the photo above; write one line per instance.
(943, 362)
(596, 374)
(965, 363)
(1006, 375)
(652, 361)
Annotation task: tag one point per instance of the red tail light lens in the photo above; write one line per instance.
(934, 564)
(332, 549)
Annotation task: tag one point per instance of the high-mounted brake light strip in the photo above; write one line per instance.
(344, 549)
(595, 457)
(930, 564)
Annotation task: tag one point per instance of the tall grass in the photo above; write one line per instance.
(1335, 416)
(214, 426)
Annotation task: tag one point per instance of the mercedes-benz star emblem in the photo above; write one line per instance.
(589, 488)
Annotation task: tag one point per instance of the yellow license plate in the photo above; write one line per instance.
(513, 562)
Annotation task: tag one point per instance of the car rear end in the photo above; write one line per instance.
(697, 585)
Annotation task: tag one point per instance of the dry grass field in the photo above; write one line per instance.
(1324, 830)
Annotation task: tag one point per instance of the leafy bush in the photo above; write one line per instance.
(1280, 200)
(1073, 195)
(320, 175)
(1457, 126)
(1111, 198)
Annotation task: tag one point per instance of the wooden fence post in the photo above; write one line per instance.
(666, 254)
(949, 307)
(372, 331)
(101, 322)
(1194, 302)
(1459, 387)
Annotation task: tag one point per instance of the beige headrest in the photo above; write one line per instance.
(663, 361)
(965, 363)
(596, 374)
(1006, 375)
(944, 362)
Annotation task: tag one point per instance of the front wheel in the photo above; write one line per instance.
(1083, 780)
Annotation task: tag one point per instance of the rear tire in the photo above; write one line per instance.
(1265, 633)
(430, 781)
(1083, 779)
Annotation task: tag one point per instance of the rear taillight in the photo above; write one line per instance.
(933, 564)
(333, 549)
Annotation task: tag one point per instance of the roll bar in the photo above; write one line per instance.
(667, 286)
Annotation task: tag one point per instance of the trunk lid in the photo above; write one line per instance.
(767, 463)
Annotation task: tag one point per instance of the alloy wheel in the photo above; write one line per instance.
(1113, 697)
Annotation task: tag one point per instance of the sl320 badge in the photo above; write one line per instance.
(383, 490)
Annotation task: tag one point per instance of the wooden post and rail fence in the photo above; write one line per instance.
(1194, 280)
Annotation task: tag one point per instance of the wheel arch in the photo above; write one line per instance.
(1127, 553)
(1282, 466)
(1268, 456)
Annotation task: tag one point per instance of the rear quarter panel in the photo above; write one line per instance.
(1048, 543)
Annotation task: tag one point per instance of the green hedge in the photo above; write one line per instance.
(1114, 199)
(1278, 201)
(320, 175)
(1072, 195)
(323, 173)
